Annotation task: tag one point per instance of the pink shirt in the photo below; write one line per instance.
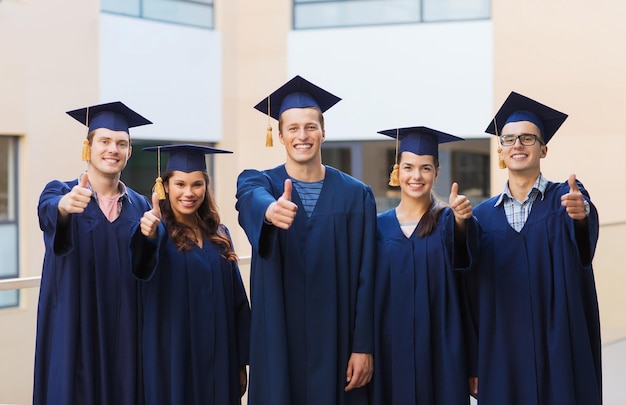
(109, 206)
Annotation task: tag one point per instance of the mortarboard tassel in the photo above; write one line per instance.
(393, 177)
(158, 184)
(269, 142)
(501, 163)
(86, 152)
(158, 188)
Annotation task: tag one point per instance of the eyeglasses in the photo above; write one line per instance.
(525, 139)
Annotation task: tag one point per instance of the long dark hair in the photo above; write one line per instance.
(208, 220)
(429, 220)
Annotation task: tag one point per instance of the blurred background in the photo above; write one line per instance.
(196, 68)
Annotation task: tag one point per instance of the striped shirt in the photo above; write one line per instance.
(309, 193)
(517, 212)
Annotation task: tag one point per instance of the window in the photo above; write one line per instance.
(471, 170)
(9, 266)
(346, 13)
(338, 157)
(198, 13)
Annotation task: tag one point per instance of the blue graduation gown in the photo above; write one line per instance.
(196, 322)
(535, 307)
(420, 355)
(311, 289)
(88, 322)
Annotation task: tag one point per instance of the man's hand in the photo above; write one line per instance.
(360, 369)
(282, 212)
(76, 200)
(574, 201)
(150, 221)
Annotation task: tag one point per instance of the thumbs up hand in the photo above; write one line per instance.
(156, 207)
(77, 199)
(150, 221)
(573, 201)
(84, 180)
(460, 205)
(287, 193)
(282, 212)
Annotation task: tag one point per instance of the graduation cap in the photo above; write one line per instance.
(296, 93)
(419, 140)
(182, 157)
(521, 108)
(115, 116)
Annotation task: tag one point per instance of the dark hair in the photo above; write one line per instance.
(428, 222)
(208, 220)
(321, 118)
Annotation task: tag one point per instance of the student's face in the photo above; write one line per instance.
(416, 175)
(110, 150)
(302, 134)
(519, 158)
(186, 192)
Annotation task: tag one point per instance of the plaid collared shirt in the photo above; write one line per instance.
(517, 212)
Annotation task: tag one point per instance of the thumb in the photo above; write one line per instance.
(573, 186)
(84, 179)
(287, 192)
(156, 208)
(454, 192)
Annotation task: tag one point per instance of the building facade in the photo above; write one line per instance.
(197, 68)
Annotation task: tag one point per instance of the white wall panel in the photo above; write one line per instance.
(434, 74)
(169, 73)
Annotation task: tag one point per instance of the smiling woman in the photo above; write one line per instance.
(196, 313)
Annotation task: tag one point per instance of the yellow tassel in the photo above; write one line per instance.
(501, 163)
(158, 188)
(268, 137)
(86, 153)
(393, 177)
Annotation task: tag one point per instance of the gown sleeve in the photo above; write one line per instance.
(586, 232)
(465, 252)
(254, 195)
(464, 260)
(57, 238)
(145, 253)
(363, 341)
(242, 312)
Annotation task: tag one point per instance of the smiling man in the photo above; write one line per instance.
(534, 299)
(89, 316)
(312, 229)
